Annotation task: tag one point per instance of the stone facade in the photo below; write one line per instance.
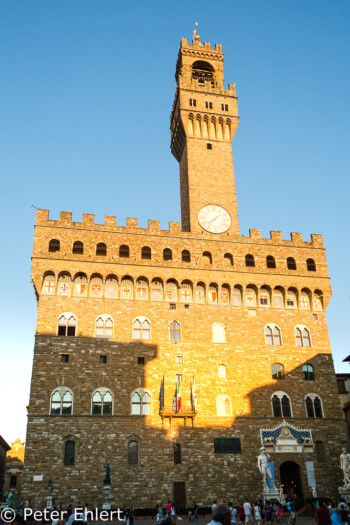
(226, 292)
(14, 470)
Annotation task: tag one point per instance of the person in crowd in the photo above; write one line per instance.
(247, 511)
(322, 514)
(233, 512)
(256, 513)
(240, 512)
(221, 515)
(268, 513)
(168, 507)
(195, 513)
(334, 513)
(159, 512)
(213, 505)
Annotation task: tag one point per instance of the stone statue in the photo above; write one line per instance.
(345, 466)
(314, 491)
(263, 465)
(107, 480)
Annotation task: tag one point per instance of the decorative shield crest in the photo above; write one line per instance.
(224, 297)
(156, 293)
(200, 296)
(96, 289)
(63, 289)
(185, 295)
(250, 299)
(212, 296)
(141, 292)
(170, 294)
(111, 290)
(126, 292)
(80, 288)
(49, 288)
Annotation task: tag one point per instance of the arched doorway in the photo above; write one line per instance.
(291, 479)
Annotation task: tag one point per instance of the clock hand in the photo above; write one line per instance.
(214, 219)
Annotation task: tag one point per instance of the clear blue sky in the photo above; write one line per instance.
(86, 92)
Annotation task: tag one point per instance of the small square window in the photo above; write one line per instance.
(140, 360)
(224, 107)
(315, 317)
(179, 359)
(64, 358)
(209, 146)
(172, 306)
(178, 378)
(103, 359)
(193, 102)
(208, 105)
(186, 306)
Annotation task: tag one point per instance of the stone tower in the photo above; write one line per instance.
(203, 122)
(131, 320)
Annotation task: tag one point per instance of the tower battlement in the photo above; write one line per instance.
(110, 224)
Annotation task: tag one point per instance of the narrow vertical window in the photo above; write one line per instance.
(133, 453)
(69, 453)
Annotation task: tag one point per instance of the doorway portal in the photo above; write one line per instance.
(291, 479)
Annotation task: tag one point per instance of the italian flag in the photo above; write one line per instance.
(178, 395)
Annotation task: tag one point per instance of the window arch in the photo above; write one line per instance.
(291, 264)
(264, 296)
(302, 336)
(277, 298)
(102, 402)
(185, 256)
(133, 452)
(69, 452)
(273, 335)
(146, 252)
(124, 251)
(61, 402)
(67, 324)
(78, 248)
(228, 259)
(250, 296)
(311, 265)
(281, 405)
(304, 301)
(270, 262)
(277, 371)
(218, 331)
(175, 331)
(308, 372)
(101, 249)
(237, 296)
(54, 245)
(207, 258)
(167, 254)
(313, 406)
(223, 406)
(249, 261)
(222, 371)
(141, 402)
(104, 326)
(141, 328)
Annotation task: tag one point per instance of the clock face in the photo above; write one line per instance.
(214, 219)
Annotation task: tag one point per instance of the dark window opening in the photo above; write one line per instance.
(78, 248)
(172, 306)
(13, 481)
(140, 360)
(249, 261)
(124, 251)
(291, 264)
(103, 359)
(228, 258)
(64, 357)
(193, 102)
(133, 453)
(101, 249)
(186, 256)
(311, 265)
(167, 254)
(209, 146)
(146, 253)
(177, 453)
(308, 373)
(270, 262)
(54, 245)
(69, 453)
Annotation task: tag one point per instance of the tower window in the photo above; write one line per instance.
(209, 146)
(175, 331)
(311, 265)
(167, 254)
(270, 262)
(291, 264)
(69, 453)
(179, 359)
(54, 245)
(308, 373)
(177, 453)
(146, 253)
(186, 256)
(224, 107)
(78, 247)
(208, 105)
(193, 102)
(124, 251)
(277, 371)
(103, 359)
(140, 360)
(64, 358)
(249, 260)
(101, 249)
(172, 306)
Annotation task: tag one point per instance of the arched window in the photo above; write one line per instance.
(218, 331)
(69, 453)
(133, 452)
(320, 451)
(186, 256)
(54, 245)
(313, 406)
(207, 257)
(277, 298)
(124, 251)
(141, 402)
(223, 406)
(304, 301)
(311, 265)
(277, 371)
(308, 373)
(291, 264)
(302, 336)
(61, 401)
(270, 262)
(249, 260)
(281, 406)
(141, 328)
(102, 402)
(104, 326)
(222, 371)
(228, 259)
(167, 254)
(175, 331)
(67, 324)
(146, 252)
(273, 335)
(177, 453)
(101, 249)
(78, 248)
